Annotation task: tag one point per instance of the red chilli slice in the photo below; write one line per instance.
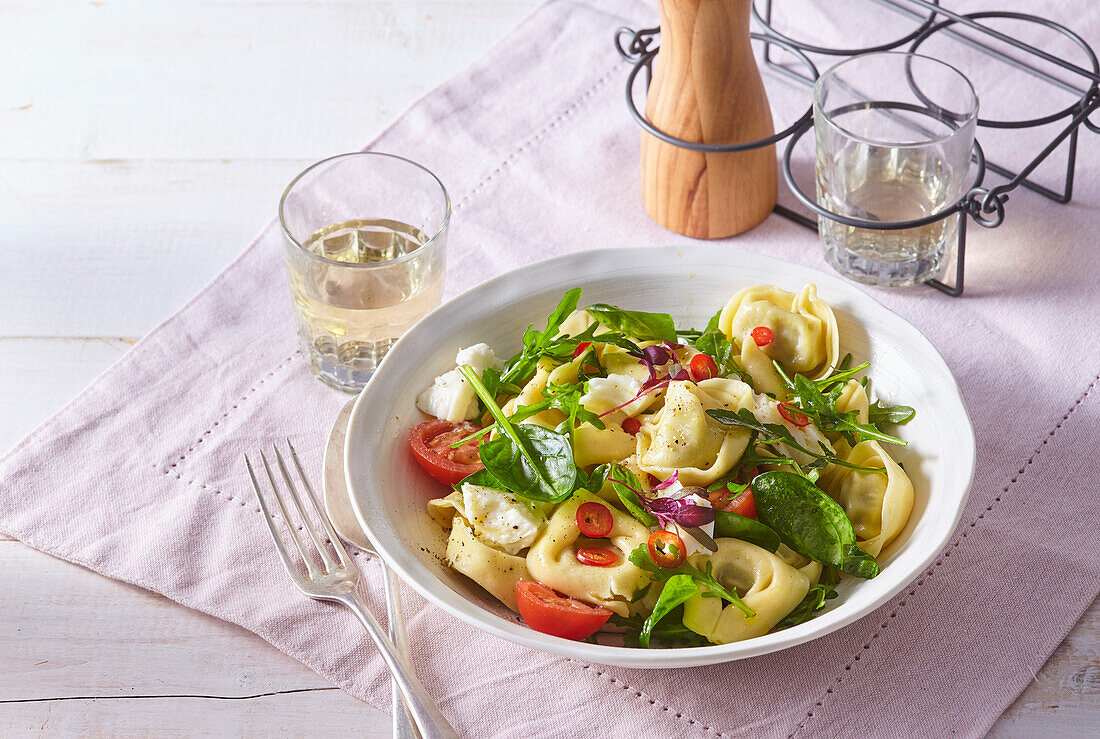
(762, 335)
(594, 520)
(792, 415)
(597, 556)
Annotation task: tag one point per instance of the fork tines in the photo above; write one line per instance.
(327, 565)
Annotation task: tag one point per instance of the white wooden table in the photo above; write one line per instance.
(142, 144)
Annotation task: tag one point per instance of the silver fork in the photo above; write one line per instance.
(338, 582)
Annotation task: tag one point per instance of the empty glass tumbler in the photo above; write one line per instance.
(894, 133)
(365, 235)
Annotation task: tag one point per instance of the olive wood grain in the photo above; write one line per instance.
(707, 88)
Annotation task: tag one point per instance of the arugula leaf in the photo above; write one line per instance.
(639, 324)
(810, 522)
(879, 414)
(640, 558)
(520, 367)
(526, 460)
(714, 344)
(630, 500)
(774, 432)
(808, 607)
(822, 410)
(730, 525)
(677, 590)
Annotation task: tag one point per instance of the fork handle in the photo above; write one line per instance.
(402, 723)
(429, 719)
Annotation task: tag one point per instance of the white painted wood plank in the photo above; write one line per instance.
(111, 248)
(124, 79)
(309, 714)
(38, 376)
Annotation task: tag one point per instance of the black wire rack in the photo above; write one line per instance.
(984, 204)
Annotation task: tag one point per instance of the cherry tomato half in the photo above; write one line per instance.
(762, 335)
(702, 368)
(597, 556)
(666, 549)
(594, 519)
(743, 504)
(551, 613)
(631, 425)
(431, 446)
(792, 415)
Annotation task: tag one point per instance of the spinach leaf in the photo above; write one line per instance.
(676, 591)
(640, 558)
(638, 324)
(670, 632)
(810, 522)
(735, 526)
(526, 460)
(879, 414)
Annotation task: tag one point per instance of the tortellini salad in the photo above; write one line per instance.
(626, 481)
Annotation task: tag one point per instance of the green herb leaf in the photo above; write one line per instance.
(808, 608)
(730, 525)
(822, 411)
(639, 324)
(810, 522)
(640, 558)
(630, 500)
(677, 590)
(879, 414)
(526, 460)
(519, 368)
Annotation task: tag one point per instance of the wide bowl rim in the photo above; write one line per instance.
(467, 611)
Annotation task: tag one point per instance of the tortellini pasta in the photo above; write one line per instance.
(805, 337)
(767, 585)
(592, 446)
(759, 365)
(492, 569)
(553, 558)
(878, 503)
(854, 398)
(682, 437)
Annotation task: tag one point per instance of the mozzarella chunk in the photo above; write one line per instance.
(450, 397)
(503, 519)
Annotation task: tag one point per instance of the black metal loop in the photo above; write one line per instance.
(1092, 101)
(646, 59)
(1026, 18)
(981, 201)
(639, 42)
(766, 23)
(959, 206)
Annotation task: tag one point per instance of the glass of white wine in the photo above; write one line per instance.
(894, 133)
(365, 236)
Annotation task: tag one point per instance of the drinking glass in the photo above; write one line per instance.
(365, 237)
(894, 133)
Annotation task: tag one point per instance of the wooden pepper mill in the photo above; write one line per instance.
(706, 88)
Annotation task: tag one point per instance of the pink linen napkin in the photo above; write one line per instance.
(140, 477)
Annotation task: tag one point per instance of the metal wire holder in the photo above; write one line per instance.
(985, 205)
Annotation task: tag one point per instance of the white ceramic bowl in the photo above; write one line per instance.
(389, 491)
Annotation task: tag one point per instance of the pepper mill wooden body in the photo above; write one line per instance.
(706, 88)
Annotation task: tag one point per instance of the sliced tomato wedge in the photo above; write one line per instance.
(667, 549)
(597, 556)
(431, 446)
(594, 520)
(550, 612)
(743, 504)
